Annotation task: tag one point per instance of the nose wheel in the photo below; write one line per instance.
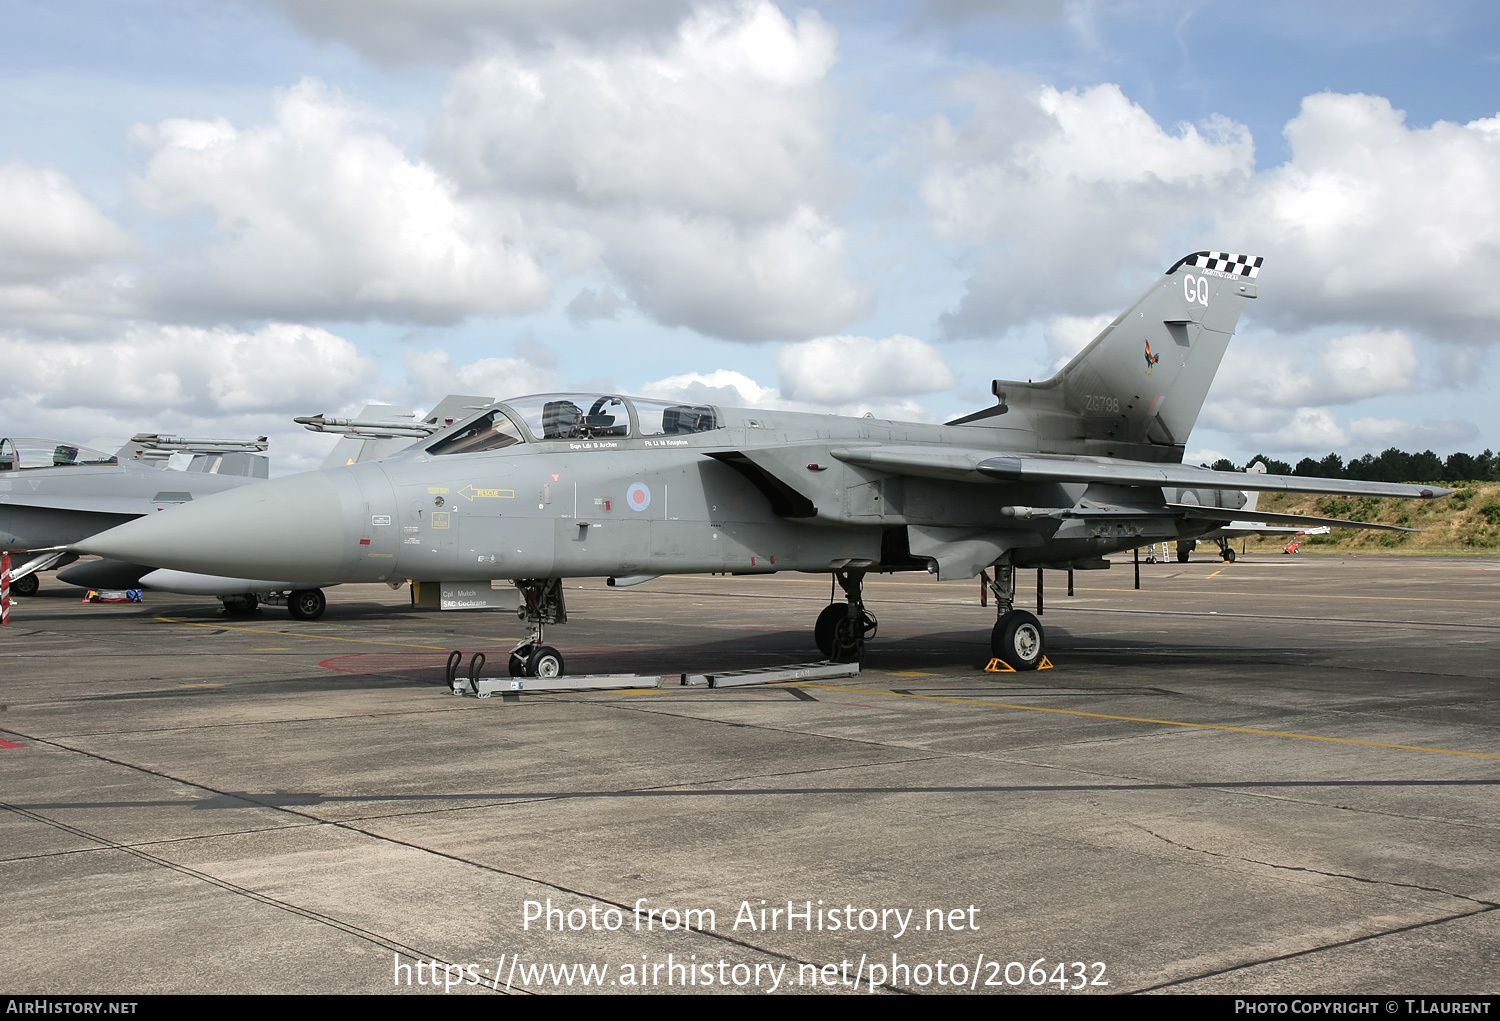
(536, 661)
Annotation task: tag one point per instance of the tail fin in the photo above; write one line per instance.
(1137, 388)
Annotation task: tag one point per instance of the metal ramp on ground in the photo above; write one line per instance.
(820, 671)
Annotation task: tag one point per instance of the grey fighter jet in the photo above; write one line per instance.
(1055, 476)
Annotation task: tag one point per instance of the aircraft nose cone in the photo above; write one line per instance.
(294, 528)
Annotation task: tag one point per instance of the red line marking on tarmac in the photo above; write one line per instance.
(10, 744)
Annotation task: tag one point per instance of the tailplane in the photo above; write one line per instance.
(1136, 389)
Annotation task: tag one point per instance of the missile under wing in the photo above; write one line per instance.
(1056, 475)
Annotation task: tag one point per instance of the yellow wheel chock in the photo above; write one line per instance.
(999, 666)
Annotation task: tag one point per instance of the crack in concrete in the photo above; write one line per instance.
(1487, 905)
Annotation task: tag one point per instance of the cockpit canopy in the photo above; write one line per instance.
(25, 452)
(573, 417)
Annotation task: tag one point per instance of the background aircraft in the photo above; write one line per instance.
(54, 493)
(1055, 476)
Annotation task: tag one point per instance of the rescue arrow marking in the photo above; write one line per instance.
(471, 494)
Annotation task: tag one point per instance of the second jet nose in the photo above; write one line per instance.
(298, 528)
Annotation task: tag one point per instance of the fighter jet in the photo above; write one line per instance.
(53, 493)
(1055, 476)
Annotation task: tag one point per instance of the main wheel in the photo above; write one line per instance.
(306, 604)
(1182, 554)
(1229, 556)
(545, 662)
(827, 621)
(1018, 639)
(27, 586)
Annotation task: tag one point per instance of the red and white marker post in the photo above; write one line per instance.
(4, 588)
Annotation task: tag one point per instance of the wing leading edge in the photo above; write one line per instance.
(974, 465)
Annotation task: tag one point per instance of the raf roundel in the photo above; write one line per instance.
(638, 497)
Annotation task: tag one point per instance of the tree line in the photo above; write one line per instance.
(1389, 465)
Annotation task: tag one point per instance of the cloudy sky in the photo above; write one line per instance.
(216, 215)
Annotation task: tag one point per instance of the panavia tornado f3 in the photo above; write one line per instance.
(1054, 476)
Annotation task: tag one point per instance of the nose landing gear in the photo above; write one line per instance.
(541, 604)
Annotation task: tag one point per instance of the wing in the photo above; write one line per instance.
(968, 464)
(1275, 524)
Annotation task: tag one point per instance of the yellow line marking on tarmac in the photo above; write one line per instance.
(1272, 595)
(1218, 572)
(910, 673)
(1164, 723)
(294, 634)
(272, 648)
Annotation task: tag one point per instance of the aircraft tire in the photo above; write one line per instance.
(827, 621)
(27, 586)
(545, 661)
(1182, 555)
(1019, 640)
(1229, 556)
(306, 604)
(520, 661)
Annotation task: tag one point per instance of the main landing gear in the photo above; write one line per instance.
(541, 604)
(1018, 638)
(301, 604)
(842, 630)
(27, 585)
(306, 604)
(1226, 551)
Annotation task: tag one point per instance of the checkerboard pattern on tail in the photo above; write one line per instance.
(1226, 262)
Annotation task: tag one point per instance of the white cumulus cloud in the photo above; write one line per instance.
(203, 372)
(409, 31)
(699, 163)
(837, 370)
(730, 388)
(319, 214)
(431, 375)
(1069, 195)
(48, 228)
(61, 257)
(1374, 221)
